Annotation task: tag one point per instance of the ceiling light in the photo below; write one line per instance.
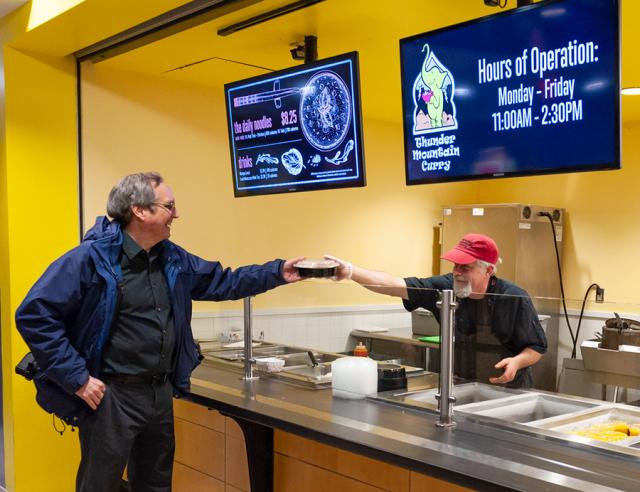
(631, 91)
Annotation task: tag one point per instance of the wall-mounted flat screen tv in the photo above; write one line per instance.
(534, 90)
(298, 129)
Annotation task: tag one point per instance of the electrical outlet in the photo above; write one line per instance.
(599, 294)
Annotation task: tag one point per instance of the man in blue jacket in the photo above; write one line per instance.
(109, 325)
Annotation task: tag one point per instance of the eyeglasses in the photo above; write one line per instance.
(169, 207)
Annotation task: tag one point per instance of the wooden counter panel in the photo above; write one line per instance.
(187, 479)
(292, 475)
(211, 456)
(233, 429)
(198, 414)
(200, 448)
(359, 468)
(237, 467)
(424, 483)
(231, 488)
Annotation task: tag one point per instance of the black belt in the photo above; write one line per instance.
(149, 379)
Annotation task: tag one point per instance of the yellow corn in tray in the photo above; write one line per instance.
(602, 435)
(614, 425)
(619, 426)
(615, 430)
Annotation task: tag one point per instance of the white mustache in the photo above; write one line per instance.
(462, 289)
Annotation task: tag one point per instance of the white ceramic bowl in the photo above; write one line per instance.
(270, 364)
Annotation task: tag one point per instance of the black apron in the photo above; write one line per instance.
(477, 351)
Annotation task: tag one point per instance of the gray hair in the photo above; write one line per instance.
(134, 189)
(486, 264)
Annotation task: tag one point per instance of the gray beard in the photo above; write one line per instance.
(462, 290)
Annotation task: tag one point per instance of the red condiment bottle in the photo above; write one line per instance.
(360, 350)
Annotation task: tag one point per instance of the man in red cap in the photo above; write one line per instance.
(497, 327)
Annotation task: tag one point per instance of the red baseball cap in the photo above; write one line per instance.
(473, 247)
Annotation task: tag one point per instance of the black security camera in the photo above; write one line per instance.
(297, 52)
(307, 51)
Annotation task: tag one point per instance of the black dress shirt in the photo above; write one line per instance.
(142, 338)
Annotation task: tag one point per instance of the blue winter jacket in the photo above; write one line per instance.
(67, 315)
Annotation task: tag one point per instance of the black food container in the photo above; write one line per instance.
(317, 268)
(391, 377)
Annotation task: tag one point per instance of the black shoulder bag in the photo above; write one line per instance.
(71, 409)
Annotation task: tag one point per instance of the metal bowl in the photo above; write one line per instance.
(317, 268)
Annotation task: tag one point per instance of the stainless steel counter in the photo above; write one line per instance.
(473, 454)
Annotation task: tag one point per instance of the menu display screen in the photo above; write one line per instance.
(534, 90)
(297, 129)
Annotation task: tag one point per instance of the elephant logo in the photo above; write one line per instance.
(433, 90)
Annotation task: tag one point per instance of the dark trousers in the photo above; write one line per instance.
(133, 427)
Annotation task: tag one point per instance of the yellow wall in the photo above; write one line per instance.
(42, 197)
(30, 112)
(5, 319)
(39, 202)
